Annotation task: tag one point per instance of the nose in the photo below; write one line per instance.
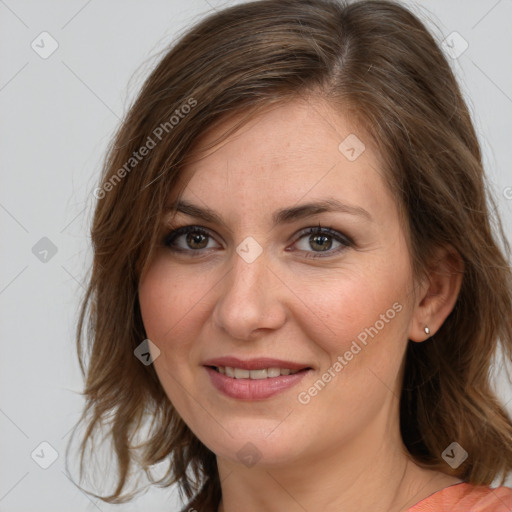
(250, 299)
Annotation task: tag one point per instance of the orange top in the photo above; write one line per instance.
(464, 497)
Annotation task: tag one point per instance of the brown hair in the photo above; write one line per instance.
(371, 58)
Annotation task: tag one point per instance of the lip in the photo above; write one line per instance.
(253, 389)
(255, 364)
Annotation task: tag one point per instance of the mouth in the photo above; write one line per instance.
(264, 373)
(255, 379)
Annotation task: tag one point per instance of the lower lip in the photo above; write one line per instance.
(253, 389)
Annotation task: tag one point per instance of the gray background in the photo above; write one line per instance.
(57, 116)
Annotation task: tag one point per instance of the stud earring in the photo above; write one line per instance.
(427, 330)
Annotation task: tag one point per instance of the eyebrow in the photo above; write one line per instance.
(284, 216)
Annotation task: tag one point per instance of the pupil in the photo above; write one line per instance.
(323, 237)
(192, 239)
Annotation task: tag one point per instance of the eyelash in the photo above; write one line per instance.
(345, 241)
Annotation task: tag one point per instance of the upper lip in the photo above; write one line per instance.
(254, 364)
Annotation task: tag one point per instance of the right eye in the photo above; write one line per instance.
(193, 240)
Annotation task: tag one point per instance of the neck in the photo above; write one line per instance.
(366, 474)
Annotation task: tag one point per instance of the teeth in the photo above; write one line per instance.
(258, 374)
(240, 373)
(273, 372)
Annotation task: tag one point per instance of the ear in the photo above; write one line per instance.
(438, 293)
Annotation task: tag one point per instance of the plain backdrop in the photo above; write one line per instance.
(58, 113)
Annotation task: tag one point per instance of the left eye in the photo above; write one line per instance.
(318, 238)
(322, 238)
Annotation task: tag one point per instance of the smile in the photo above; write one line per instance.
(260, 384)
(264, 373)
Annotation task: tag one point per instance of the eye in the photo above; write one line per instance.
(194, 239)
(321, 239)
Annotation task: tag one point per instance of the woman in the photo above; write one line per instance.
(296, 280)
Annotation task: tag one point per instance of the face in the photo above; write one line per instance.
(268, 287)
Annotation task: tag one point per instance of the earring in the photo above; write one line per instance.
(427, 330)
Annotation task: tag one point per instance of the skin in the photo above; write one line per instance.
(342, 450)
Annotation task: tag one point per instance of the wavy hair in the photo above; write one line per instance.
(376, 60)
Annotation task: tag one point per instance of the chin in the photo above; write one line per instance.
(251, 442)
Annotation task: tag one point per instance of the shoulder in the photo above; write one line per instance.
(463, 497)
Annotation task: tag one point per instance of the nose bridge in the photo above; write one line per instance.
(249, 266)
(246, 301)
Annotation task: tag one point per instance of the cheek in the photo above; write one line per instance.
(364, 322)
(359, 305)
(168, 304)
(173, 311)
(167, 300)
(367, 317)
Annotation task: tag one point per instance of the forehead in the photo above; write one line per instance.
(297, 151)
